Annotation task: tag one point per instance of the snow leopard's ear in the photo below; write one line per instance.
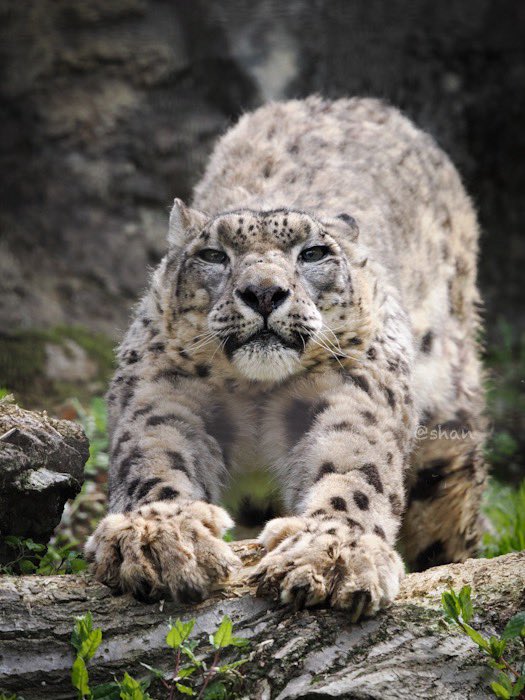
(184, 223)
(345, 225)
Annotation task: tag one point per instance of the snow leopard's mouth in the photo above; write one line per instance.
(265, 339)
(266, 355)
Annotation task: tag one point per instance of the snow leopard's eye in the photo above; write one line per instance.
(210, 255)
(314, 254)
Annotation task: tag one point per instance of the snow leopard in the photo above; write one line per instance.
(316, 315)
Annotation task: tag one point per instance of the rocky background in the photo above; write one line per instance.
(109, 110)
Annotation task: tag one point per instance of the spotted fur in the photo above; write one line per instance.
(316, 314)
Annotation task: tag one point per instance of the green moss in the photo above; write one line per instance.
(23, 360)
(98, 347)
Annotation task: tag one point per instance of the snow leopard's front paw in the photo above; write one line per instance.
(312, 561)
(162, 549)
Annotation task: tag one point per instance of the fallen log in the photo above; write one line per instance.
(407, 651)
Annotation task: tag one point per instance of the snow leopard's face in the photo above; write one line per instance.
(275, 286)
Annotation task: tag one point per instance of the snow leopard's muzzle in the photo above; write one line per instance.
(268, 341)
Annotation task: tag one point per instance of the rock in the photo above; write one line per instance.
(69, 363)
(110, 110)
(41, 467)
(45, 367)
(406, 651)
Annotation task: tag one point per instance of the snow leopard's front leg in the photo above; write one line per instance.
(163, 535)
(344, 480)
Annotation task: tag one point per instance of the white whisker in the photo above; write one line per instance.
(220, 346)
(320, 341)
(204, 340)
(337, 348)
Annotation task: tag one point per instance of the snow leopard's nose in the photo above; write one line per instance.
(263, 299)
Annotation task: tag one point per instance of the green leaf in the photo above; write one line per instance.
(33, 546)
(81, 630)
(184, 689)
(45, 570)
(515, 627)
(500, 691)
(239, 642)
(187, 671)
(79, 677)
(159, 673)
(78, 564)
(518, 686)
(215, 691)
(497, 647)
(90, 645)
(187, 650)
(465, 604)
(130, 689)
(450, 604)
(51, 556)
(27, 566)
(106, 691)
(223, 636)
(230, 667)
(477, 638)
(179, 633)
(13, 541)
(505, 681)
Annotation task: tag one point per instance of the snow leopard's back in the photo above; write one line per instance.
(363, 157)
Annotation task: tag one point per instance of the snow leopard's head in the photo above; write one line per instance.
(272, 291)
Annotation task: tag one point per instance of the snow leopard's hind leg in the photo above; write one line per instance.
(442, 521)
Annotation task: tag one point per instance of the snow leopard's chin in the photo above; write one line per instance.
(269, 361)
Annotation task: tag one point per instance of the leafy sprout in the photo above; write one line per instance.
(191, 676)
(509, 682)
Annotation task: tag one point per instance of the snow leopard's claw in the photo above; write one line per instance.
(360, 602)
(163, 549)
(313, 566)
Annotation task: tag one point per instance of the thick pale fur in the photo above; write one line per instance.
(365, 400)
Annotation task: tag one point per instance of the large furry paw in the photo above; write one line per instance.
(312, 561)
(162, 549)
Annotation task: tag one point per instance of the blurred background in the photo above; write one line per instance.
(110, 109)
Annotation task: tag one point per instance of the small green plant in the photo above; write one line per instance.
(216, 677)
(505, 507)
(505, 364)
(85, 641)
(30, 557)
(190, 676)
(510, 682)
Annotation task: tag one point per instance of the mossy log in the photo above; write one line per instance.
(407, 651)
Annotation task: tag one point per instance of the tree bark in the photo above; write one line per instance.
(406, 651)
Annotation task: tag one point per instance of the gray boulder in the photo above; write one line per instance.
(41, 466)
